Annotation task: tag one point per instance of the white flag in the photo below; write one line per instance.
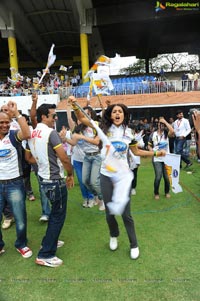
(39, 73)
(172, 165)
(51, 57)
(50, 62)
(63, 68)
(120, 174)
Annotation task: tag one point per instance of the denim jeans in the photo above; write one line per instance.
(56, 191)
(178, 148)
(7, 212)
(27, 180)
(91, 174)
(186, 148)
(14, 193)
(46, 208)
(160, 171)
(86, 194)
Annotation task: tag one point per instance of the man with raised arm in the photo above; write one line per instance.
(12, 187)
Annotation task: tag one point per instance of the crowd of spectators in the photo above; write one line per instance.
(72, 85)
(191, 146)
(51, 84)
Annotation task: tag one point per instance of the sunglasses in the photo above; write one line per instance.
(54, 115)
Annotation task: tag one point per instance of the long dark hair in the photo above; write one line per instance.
(81, 127)
(106, 121)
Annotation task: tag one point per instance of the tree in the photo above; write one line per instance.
(170, 62)
(136, 68)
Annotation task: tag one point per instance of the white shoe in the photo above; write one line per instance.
(2, 251)
(49, 262)
(44, 218)
(113, 243)
(101, 206)
(134, 253)
(90, 203)
(60, 243)
(85, 204)
(96, 200)
(7, 223)
(133, 191)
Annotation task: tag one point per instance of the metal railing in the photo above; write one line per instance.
(120, 88)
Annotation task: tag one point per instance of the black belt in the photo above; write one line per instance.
(10, 180)
(92, 154)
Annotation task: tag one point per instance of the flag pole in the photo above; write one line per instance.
(83, 111)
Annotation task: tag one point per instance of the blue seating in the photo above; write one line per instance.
(123, 85)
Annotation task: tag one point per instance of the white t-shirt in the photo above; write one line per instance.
(42, 144)
(120, 138)
(156, 139)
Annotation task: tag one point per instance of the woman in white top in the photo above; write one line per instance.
(77, 157)
(157, 140)
(114, 124)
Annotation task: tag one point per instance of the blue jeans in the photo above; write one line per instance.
(78, 166)
(14, 193)
(56, 191)
(46, 208)
(178, 148)
(7, 212)
(91, 174)
(160, 171)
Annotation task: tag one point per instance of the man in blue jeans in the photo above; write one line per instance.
(46, 208)
(48, 152)
(12, 187)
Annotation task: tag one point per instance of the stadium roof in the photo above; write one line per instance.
(126, 27)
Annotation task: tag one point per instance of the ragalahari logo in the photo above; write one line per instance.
(159, 6)
(176, 5)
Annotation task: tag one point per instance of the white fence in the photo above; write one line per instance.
(24, 102)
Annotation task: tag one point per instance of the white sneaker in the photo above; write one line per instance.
(134, 253)
(44, 218)
(90, 203)
(133, 191)
(2, 251)
(101, 206)
(113, 243)
(7, 223)
(85, 204)
(96, 200)
(60, 243)
(49, 262)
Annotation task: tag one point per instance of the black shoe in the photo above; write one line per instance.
(188, 165)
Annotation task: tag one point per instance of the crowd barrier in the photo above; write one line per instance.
(121, 87)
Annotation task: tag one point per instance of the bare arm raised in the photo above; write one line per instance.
(24, 132)
(80, 116)
(33, 110)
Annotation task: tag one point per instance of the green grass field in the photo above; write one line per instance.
(168, 237)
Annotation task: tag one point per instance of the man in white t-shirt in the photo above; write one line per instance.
(12, 187)
(47, 151)
(182, 129)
